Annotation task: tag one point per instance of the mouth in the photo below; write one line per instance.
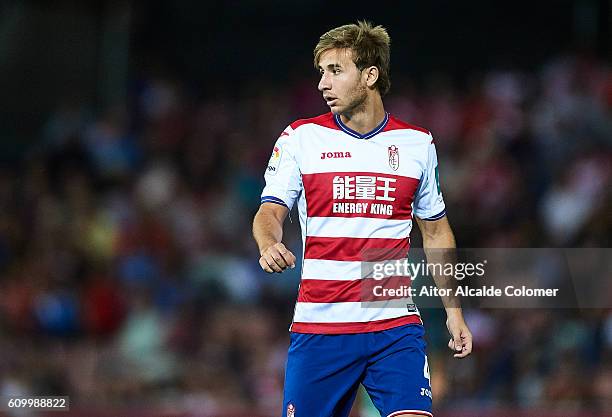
(330, 100)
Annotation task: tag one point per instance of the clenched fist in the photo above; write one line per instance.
(276, 258)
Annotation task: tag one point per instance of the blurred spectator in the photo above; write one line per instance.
(126, 254)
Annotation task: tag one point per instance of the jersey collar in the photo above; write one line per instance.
(358, 135)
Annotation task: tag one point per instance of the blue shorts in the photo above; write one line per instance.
(324, 371)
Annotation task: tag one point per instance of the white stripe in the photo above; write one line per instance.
(334, 270)
(349, 312)
(325, 269)
(359, 227)
(397, 413)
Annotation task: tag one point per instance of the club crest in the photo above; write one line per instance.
(393, 157)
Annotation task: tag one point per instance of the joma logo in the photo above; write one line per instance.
(332, 155)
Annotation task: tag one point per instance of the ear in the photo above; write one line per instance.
(371, 75)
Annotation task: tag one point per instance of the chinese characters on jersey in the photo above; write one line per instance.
(363, 187)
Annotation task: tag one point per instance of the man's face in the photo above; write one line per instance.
(342, 84)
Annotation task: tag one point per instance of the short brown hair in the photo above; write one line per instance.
(370, 46)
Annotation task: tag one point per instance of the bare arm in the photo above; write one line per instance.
(268, 233)
(439, 245)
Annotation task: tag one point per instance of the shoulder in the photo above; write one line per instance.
(325, 120)
(397, 124)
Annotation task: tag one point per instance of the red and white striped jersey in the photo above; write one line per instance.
(354, 192)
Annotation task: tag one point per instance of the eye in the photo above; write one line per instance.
(337, 71)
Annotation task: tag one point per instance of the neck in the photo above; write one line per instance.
(365, 117)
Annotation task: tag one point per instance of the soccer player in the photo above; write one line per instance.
(358, 175)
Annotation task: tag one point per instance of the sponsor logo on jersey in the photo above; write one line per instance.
(290, 410)
(363, 187)
(333, 155)
(393, 157)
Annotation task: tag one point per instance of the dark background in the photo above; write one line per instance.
(93, 48)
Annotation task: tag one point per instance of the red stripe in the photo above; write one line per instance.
(354, 327)
(358, 290)
(355, 249)
(395, 123)
(325, 120)
(319, 189)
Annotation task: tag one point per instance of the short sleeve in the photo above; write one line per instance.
(283, 178)
(428, 201)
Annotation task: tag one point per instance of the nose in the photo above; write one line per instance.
(325, 82)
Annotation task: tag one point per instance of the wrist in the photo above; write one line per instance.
(454, 313)
(266, 246)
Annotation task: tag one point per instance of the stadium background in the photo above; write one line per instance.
(134, 136)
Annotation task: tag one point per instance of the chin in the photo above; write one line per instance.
(335, 110)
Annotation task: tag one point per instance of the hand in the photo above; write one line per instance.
(276, 258)
(461, 337)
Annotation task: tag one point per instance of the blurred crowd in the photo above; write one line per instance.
(129, 275)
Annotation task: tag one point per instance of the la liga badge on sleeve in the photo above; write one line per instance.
(275, 159)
